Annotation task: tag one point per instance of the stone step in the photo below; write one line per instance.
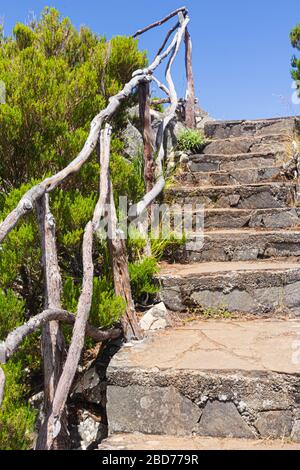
(254, 196)
(136, 441)
(265, 286)
(228, 129)
(258, 144)
(257, 218)
(218, 162)
(230, 177)
(238, 245)
(217, 378)
(224, 219)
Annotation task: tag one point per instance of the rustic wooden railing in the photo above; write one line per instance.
(60, 368)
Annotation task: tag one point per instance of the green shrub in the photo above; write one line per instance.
(16, 418)
(11, 312)
(57, 80)
(71, 293)
(295, 41)
(127, 177)
(142, 278)
(107, 308)
(190, 140)
(143, 270)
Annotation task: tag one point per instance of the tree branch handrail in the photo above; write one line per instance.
(137, 209)
(160, 22)
(16, 338)
(38, 196)
(170, 32)
(26, 204)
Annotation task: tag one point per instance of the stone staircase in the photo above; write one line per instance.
(248, 260)
(237, 378)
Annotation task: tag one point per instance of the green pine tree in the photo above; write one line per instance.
(295, 41)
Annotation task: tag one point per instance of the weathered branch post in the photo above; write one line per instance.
(149, 164)
(190, 118)
(53, 343)
(190, 92)
(145, 119)
(60, 366)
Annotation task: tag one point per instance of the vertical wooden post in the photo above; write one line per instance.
(149, 164)
(145, 118)
(53, 424)
(118, 253)
(53, 343)
(190, 118)
(121, 276)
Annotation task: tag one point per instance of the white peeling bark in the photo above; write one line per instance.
(53, 343)
(51, 427)
(105, 137)
(161, 86)
(170, 32)
(162, 21)
(137, 210)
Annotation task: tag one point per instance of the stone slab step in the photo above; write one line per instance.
(251, 144)
(137, 441)
(217, 378)
(218, 162)
(224, 219)
(230, 177)
(227, 129)
(257, 218)
(238, 245)
(255, 196)
(259, 287)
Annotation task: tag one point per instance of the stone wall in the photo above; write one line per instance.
(133, 137)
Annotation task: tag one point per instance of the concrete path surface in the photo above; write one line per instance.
(258, 345)
(142, 442)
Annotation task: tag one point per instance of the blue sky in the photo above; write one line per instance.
(242, 51)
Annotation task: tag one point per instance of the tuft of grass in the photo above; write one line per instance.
(191, 140)
(165, 246)
(209, 313)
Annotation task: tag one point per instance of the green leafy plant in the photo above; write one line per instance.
(190, 140)
(142, 276)
(11, 312)
(157, 106)
(17, 419)
(107, 308)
